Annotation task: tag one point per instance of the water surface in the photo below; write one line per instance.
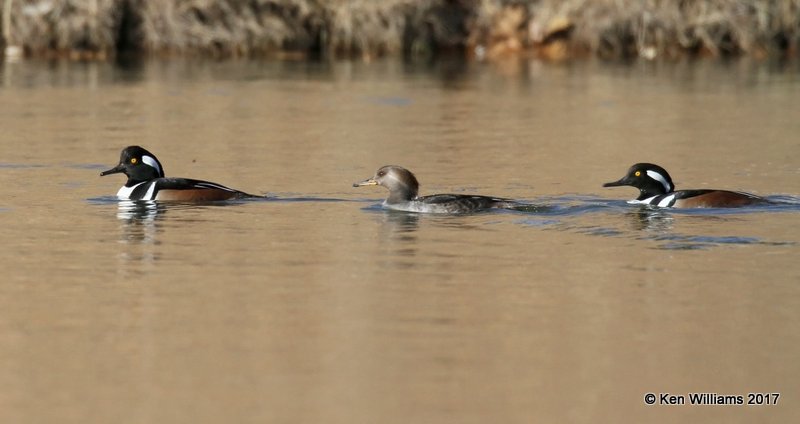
(319, 306)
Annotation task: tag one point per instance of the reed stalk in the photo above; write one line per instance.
(5, 35)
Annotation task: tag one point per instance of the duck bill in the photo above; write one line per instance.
(115, 170)
(621, 182)
(367, 182)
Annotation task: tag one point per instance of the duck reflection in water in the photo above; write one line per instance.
(397, 233)
(139, 210)
(139, 220)
(401, 223)
(651, 219)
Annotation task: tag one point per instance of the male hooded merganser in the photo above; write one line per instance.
(656, 189)
(403, 188)
(146, 181)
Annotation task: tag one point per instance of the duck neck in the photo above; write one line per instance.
(646, 194)
(652, 190)
(401, 196)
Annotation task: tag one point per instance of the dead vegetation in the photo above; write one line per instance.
(553, 29)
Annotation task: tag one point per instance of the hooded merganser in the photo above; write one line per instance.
(403, 188)
(656, 189)
(146, 181)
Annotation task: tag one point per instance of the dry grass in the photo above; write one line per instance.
(369, 28)
(674, 28)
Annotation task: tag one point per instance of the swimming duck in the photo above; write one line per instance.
(656, 189)
(146, 181)
(403, 188)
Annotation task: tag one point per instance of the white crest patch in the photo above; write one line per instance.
(151, 161)
(660, 178)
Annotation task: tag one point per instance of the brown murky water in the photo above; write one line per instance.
(319, 306)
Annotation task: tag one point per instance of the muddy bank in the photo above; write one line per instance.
(369, 28)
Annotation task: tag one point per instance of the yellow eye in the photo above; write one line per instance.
(133, 161)
(637, 173)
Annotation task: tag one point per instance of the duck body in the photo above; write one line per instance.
(656, 189)
(403, 188)
(450, 204)
(179, 190)
(702, 199)
(146, 181)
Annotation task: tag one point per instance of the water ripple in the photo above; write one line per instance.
(587, 215)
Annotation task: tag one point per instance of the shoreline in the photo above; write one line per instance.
(363, 29)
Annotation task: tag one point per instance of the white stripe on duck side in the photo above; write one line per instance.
(206, 184)
(666, 202)
(642, 202)
(150, 195)
(124, 192)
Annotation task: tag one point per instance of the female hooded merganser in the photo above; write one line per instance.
(146, 181)
(403, 188)
(656, 189)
